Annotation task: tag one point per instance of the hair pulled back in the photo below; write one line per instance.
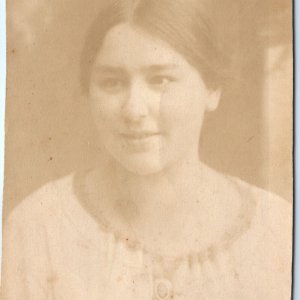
(191, 27)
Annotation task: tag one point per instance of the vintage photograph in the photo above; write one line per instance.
(148, 150)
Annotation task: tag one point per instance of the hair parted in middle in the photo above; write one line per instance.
(191, 27)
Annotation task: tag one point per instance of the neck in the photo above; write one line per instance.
(160, 210)
(167, 192)
(166, 210)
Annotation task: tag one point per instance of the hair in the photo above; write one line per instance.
(191, 27)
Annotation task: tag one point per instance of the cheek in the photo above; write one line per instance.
(104, 112)
(183, 106)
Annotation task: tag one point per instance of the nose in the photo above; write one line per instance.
(135, 108)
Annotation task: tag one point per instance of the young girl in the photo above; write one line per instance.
(150, 220)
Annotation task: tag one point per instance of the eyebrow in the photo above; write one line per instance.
(148, 68)
(108, 69)
(159, 67)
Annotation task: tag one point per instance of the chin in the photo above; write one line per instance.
(142, 167)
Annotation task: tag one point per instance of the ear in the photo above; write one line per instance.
(213, 99)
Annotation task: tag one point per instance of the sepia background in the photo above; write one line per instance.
(48, 134)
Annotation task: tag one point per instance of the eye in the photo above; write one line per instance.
(161, 81)
(111, 84)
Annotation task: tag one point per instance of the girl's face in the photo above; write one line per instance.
(147, 101)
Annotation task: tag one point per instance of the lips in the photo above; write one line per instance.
(140, 141)
(139, 135)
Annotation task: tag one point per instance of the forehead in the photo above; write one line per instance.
(130, 47)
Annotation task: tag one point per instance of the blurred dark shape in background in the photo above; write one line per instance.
(46, 131)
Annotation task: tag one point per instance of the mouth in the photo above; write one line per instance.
(139, 136)
(140, 141)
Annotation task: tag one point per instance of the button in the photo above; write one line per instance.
(162, 289)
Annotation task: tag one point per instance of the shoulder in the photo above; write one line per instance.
(272, 213)
(250, 213)
(263, 252)
(272, 216)
(44, 203)
(268, 217)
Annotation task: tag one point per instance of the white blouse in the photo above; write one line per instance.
(54, 249)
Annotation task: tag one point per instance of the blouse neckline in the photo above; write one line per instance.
(243, 223)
